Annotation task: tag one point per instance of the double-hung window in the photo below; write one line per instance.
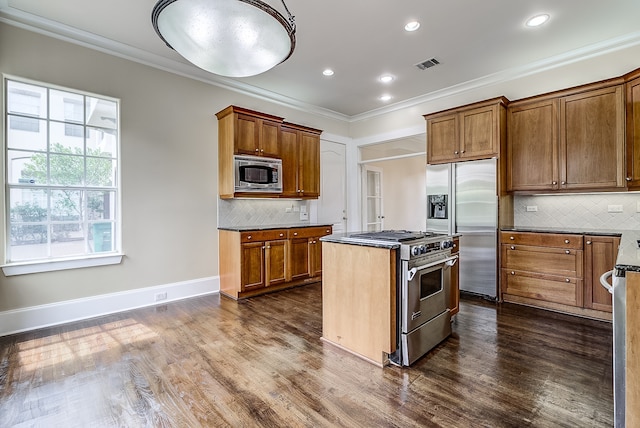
(61, 175)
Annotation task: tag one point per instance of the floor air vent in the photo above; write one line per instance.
(427, 64)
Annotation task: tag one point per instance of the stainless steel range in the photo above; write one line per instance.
(424, 277)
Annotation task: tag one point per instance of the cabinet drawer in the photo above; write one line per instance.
(554, 261)
(556, 289)
(308, 232)
(263, 235)
(559, 240)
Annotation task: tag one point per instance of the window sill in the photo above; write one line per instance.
(61, 264)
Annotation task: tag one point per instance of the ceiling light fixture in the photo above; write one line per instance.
(412, 26)
(537, 20)
(386, 78)
(233, 38)
(385, 97)
(328, 72)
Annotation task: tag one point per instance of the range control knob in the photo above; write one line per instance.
(446, 244)
(415, 251)
(423, 249)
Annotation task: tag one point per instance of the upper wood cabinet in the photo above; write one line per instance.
(471, 132)
(251, 132)
(300, 161)
(243, 131)
(568, 141)
(633, 130)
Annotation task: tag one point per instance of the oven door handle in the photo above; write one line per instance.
(449, 261)
(604, 283)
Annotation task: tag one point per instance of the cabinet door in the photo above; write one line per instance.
(532, 151)
(315, 256)
(442, 139)
(275, 262)
(309, 165)
(269, 139)
(592, 139)
(298, 258)
(480, 133)
(289, 152)
(600, 257)
(247, 135)
(633, 134)
(252, 265)
(454, 289)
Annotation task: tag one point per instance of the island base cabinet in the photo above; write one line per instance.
(359, 300)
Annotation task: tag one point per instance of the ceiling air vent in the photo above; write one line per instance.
(427, 64)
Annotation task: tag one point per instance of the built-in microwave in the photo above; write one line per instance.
(257, 174)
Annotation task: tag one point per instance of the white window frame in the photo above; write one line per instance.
(54, 264)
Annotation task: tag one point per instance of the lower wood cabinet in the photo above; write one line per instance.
(557, 271)
(256, 262)
(454, 290)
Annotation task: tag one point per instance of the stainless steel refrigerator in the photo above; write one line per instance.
(462, 198)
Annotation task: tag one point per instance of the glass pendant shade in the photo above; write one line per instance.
(234, 38)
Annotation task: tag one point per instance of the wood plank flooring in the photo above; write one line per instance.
(212, 361)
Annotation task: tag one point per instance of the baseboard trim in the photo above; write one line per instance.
(35, 317)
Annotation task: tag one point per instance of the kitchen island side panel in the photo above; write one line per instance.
(359, 299)
(632, 408)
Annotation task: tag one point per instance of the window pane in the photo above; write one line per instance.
(28, 205)
(102, 113)
(66, 106)
(101, 172)
(67, 239)
(26, 99)
(28, 241)
(26, 167)
(27, 133)
(101, 237)
(66, 205)
(101, 205)
(27, 225)
(66, 170)
(67, 138)
(101, 143)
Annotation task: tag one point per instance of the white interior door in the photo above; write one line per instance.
(332, 203)
(372, 184)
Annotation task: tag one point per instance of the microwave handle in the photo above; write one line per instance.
(449, 261)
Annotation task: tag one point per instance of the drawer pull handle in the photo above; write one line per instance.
(588, 242)
(566, 241)
(513, 247)
(282, 234)
(567, 280)
(249, 237)
(567, 252)
(295, 233)
(513, 273)
(512, 238)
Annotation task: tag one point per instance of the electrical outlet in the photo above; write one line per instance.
(532, 208)
(614, 208)
(287, 210)
(296, 209)
(304, 216)
(161, 296)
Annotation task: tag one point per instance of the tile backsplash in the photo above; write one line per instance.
(586, 211)
(260, 212)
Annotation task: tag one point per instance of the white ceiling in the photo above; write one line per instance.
(362, 39)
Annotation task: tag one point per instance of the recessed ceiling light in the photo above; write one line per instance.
(412, 26)
(385, 97)
(386, 78)
(537, 20)
(328, 72)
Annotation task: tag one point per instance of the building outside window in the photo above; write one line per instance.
(62, 165)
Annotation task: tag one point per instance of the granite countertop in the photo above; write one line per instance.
(628, 252)
(345, 238)
(271, 226)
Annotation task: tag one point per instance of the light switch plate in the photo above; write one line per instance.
(614, 208)
(532, 208)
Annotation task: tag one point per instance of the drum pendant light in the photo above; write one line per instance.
(233, 38)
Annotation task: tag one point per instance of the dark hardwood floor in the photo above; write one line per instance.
(211, 361)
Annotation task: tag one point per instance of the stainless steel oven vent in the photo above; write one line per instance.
(427, 64)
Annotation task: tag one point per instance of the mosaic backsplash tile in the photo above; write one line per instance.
(587, 211)
(259, 212)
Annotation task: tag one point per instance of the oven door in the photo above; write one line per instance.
(425, 291)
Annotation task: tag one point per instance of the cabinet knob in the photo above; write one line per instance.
(463, 151)
(455, 153)
(564, 182)
(263, 247)
(567, 280)
(513, 247)
(328, 231)
(282, 234)
(261, 150)
(295, 233)
(512, 237)
(513, 273)
(267, 247)
(588, 242)
(567, 252)
(628, 178)
(257, 150)
(566, 241)
(554, 182)
(249, 237)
